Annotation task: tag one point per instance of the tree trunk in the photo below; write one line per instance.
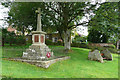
(23, 31)
(3, 42)
(60, 33)
(118, 43)
(67, 40)
(10, 43)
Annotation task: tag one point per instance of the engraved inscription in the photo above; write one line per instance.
(36, 38)
(42, 39)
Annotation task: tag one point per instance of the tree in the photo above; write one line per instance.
(60, 16)
(8, 37)
(96, 36)
(105, 22)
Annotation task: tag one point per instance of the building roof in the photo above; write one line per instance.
(10, 29)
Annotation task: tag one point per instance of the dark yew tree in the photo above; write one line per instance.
(105, 22)
(95, 36)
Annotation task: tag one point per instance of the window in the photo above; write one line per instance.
(56, 39)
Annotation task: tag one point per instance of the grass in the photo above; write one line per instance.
(78, 66)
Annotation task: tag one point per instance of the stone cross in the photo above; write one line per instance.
(39, 20)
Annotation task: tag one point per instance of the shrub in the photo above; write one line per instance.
(79, 39)
(94, 36)
(83, 45)
(10, 40)
(49, 42)
(59, 43)
(75, 45)
(95, 47)
(80, 45)
(20, 40)
(113, 50)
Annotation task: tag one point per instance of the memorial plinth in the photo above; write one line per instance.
(38, 37)
(38, 49)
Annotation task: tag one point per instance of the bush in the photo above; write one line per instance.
(79, 39)
(59, 43)
(49, 42)
(80, 45)
(113, 50)
(94, 36)
(20, 40)
(75, 45)
(98, 48)
(10, 40)
(83, 45)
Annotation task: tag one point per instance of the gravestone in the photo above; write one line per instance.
(95, 55)
(100, 56)
(38, 49)
(107, 54)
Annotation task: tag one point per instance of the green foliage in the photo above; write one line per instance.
(106, 20)
(56, 16)
(61, 16)
(79, 39)
(111, 48)
(80, 45)
(11, 38)
(48, 42)
(20, 40)
(75, 45)
(96, 47)
(8, 37)
(23, 14)
(59, 43)
(96, 36)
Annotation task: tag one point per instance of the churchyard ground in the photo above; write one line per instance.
(78, 66)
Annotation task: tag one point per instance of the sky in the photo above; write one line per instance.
(3, 13)
(83, 31)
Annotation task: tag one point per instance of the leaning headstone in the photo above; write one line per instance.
(95, 55)
(107, 54)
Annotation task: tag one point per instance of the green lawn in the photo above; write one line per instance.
(78, 66)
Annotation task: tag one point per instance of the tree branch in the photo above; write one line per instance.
(87, 10)
(52, 16)
(54, 10)
(77, 25)
(74, 16)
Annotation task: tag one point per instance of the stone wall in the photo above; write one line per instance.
(100, 44)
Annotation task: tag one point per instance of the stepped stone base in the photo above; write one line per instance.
(43, 64)
(38, 52)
